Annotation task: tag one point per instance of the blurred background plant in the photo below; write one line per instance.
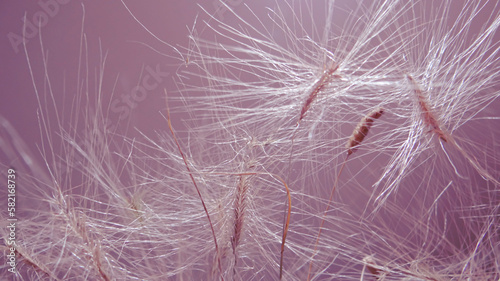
(263, 98)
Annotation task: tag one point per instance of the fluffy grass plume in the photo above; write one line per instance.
(248, 176)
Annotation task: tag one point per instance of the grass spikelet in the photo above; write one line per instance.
(357, 136)
(433, 123)
(369, 263)
(427, 114)
(240, 205)
(269, 104)
(317, 87)
(239, 213)
(362, 129)
(449, 75)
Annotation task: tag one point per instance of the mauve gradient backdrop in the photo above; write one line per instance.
(109, 28)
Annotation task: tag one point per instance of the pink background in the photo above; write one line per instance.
(129, 49)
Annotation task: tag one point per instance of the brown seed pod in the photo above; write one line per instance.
(362, 129)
